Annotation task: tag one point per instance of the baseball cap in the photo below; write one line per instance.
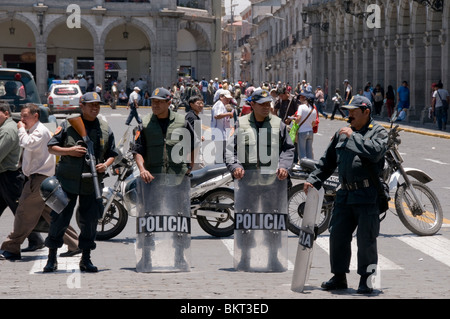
(261, 96)
(358, 102)
(136, 88)
(90, 97)
(161, 94)
(227, 94)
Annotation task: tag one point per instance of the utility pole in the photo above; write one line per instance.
(232, 42)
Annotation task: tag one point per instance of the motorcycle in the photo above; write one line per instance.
(212, 198)
(297, 197)
(415, 203)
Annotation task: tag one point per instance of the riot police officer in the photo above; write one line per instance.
(67, 143)
(155, 140)
(261, 117)
(354, 150)
(162, 162)
(261, 144)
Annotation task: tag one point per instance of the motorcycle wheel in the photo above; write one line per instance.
(296, 205)
(112, 223)
(216, 226)
(423, 224)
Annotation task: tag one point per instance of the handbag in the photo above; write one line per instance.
(316, 125)
(444, 102)
(295, 127)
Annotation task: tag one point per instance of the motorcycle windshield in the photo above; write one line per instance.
(260, 236)
(163, 224)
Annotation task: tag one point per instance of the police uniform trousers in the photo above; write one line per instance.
(88, 218)
(31, 207)
(11, 186)
(345, 219)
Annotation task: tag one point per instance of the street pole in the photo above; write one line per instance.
(232, 41)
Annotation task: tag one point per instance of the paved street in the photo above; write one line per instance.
(410, 266)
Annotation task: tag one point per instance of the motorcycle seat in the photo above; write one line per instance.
(308, 164)
(206, 173)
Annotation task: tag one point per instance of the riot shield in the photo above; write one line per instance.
(260, 235)
(163, 224)
(303, 260)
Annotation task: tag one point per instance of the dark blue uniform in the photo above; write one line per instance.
(356, 201)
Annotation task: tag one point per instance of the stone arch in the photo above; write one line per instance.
(24, 19)
(199, 33)
(145, 28)
(201, 57)
(52, 25)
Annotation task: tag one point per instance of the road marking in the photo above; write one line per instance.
(229, 243)
(67, 264)
(435, 161)
(383, 262)
(437, 247)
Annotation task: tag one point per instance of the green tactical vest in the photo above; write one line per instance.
(261, 148)
(159, 157)
(70, 168)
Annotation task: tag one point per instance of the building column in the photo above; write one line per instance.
(390, 63)
(99, 64)
(41, 69)
(164, 57)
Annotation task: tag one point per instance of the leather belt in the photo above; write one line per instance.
(355, 185)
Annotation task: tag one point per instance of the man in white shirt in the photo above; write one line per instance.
(37, 165)
(440, 96)
(133, 104)
(220, 123)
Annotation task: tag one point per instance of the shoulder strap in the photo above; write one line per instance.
(312, 109)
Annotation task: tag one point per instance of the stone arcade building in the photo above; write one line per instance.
(157, 41)
(412, 44)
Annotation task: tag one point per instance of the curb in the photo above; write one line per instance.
(406, 129)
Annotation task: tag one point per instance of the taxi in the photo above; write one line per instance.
(64, 96)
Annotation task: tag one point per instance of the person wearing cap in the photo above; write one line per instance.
(260, 118)
(357, 151)
(261, 143)
(67, 144)
(285, 106)
(220, 123)
(155, 140)
(133, 104)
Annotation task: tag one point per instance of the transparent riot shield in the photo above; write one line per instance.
(163, 224)
(260, 235)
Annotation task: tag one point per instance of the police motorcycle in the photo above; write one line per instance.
(211, 197)
(416, 205)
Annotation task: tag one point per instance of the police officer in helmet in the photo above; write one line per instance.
(67, 143)
(355, 150)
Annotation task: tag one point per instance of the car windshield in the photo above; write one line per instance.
(65, 90)
(18, 88)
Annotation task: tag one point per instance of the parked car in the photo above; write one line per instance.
(64, 96)
(17, 87)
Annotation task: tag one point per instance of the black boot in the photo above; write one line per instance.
(52, 263)
(363, 288)
(85, 262)
(338, 281)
